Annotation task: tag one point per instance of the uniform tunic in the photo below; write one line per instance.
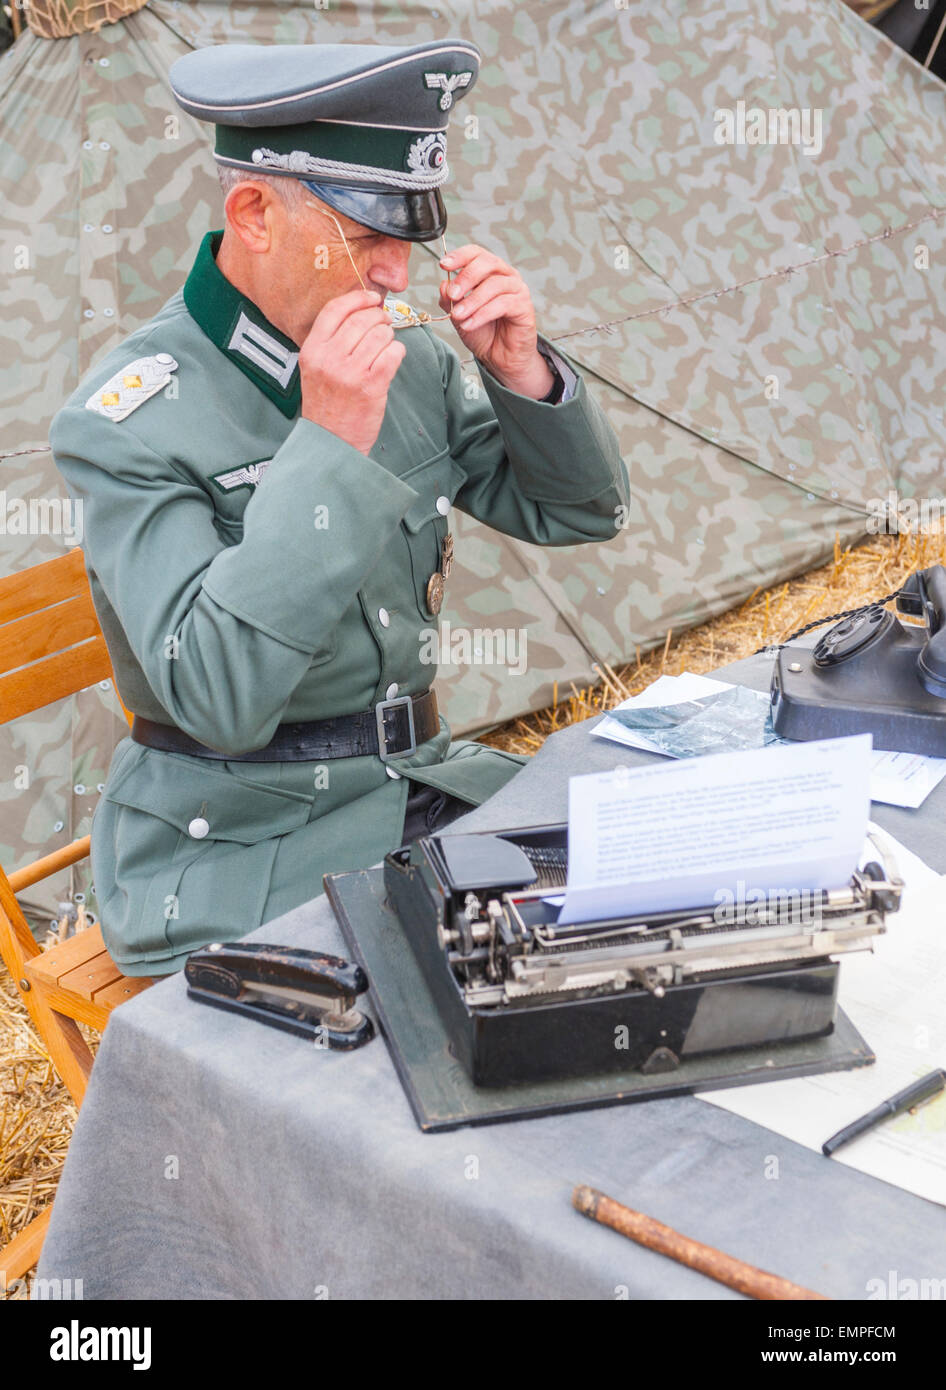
(249, 568)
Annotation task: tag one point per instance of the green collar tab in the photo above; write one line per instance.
(241, 331)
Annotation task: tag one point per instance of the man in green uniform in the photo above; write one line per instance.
(267, 538)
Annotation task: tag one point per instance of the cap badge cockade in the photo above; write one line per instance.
(428, 154)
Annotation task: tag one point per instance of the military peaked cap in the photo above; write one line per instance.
(360, 125)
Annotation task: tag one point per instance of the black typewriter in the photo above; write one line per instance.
(525, 998)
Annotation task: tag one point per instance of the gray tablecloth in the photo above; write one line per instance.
(216, 1158)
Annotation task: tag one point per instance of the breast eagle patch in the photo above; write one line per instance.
(247, 475)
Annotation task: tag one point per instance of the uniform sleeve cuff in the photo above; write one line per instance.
(558, 364)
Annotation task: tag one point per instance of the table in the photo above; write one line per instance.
(216, 1158)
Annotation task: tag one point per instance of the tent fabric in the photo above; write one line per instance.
(757, 422)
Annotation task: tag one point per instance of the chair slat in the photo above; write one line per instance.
(91, 977)
(64, 674)
(31, 589)
(47, 974)
(40, 636)
(75, 951)
(125, 988)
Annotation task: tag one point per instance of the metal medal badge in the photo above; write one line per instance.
(436, 585)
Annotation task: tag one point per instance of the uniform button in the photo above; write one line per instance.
(163, 358)
(391, 691)
(443, 505)
(395, 776)
(198, 828)
(384, 617)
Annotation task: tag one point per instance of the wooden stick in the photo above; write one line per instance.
(654, 1235)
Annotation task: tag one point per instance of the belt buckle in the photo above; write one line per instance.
(380, 710)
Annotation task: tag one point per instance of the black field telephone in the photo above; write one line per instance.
(872, 674)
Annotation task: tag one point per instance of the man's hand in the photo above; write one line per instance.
(346, 366)
(491, 309)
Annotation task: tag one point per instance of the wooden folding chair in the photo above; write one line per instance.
(51, 646)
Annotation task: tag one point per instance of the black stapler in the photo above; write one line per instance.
(303, 992)
(873, 674)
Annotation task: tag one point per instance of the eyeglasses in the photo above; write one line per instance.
(400, 314)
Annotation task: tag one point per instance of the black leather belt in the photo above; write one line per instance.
(394, 728)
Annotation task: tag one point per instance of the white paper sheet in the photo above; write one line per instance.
(904, 779)
(680, 834)
(896, 997)
(897, 779)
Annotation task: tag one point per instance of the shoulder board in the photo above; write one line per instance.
(132, 386)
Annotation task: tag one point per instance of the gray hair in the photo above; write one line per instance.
(287, 188)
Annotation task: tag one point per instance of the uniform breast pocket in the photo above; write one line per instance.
(426, 525)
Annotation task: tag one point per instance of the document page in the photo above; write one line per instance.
(681, 834)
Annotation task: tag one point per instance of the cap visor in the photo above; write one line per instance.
(407, 216)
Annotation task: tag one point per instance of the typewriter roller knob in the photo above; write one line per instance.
(888, 902)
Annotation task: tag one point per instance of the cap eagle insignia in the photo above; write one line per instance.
(448, 82)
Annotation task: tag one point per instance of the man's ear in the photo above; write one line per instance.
(254, 212)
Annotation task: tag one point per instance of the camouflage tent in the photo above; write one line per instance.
(728, 213)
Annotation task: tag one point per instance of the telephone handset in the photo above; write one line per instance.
(872, 674)
(924, 596)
